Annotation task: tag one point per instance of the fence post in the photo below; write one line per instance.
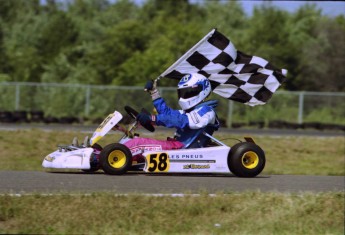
(17, 98)
(87, 101)
(229, 117)
(300, 107)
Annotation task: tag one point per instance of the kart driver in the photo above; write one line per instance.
(195, 117)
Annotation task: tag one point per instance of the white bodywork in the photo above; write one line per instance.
(62, 159)
(71, 157)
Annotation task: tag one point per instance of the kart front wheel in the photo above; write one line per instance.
(246, 159)
(115, 159)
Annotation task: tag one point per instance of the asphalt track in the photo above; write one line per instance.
(31, 182)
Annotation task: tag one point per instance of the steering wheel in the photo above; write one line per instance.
(133, 113)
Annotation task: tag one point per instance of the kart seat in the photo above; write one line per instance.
(200, 139)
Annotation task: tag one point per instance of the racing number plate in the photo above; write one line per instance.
(158, 162)
(109, 122)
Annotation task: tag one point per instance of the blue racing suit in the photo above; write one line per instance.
(189, 124)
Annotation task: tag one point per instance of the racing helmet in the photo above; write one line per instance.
(192, 90)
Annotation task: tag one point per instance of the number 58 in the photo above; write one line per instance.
(158, 162)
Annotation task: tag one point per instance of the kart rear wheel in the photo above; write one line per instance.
(246, 159)
(115, 159)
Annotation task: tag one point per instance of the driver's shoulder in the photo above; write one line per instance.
(209, 103)
(202, 110)
(206, 106)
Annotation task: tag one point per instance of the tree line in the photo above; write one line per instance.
(105, 42)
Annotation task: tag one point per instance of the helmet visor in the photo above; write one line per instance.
(189, 92)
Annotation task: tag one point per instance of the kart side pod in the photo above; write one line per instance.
(245, 159)
(202, 160)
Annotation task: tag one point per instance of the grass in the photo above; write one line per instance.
(246, 213)
(226, 213)
(25, 150)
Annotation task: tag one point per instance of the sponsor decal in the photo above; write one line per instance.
(49, 158)
(195, 166)
(106, 120)
(186, 156)
(194, 117)
(144, 148)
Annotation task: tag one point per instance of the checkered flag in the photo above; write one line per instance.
(233, 75)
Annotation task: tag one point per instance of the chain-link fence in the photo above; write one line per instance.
(92, 102)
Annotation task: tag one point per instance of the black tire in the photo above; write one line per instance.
(95, 166)
(115, 159)
(246, 159)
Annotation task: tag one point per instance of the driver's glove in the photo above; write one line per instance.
(145, 119)
(151, 87)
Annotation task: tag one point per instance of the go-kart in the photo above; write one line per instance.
(244, 159)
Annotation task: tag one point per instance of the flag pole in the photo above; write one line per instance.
(187, 54)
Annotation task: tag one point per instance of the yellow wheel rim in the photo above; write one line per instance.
(250, 160)
(117, 159)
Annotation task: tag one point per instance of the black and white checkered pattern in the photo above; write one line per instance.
(233, 75)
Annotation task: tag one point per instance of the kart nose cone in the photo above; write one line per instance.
(48, 161)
